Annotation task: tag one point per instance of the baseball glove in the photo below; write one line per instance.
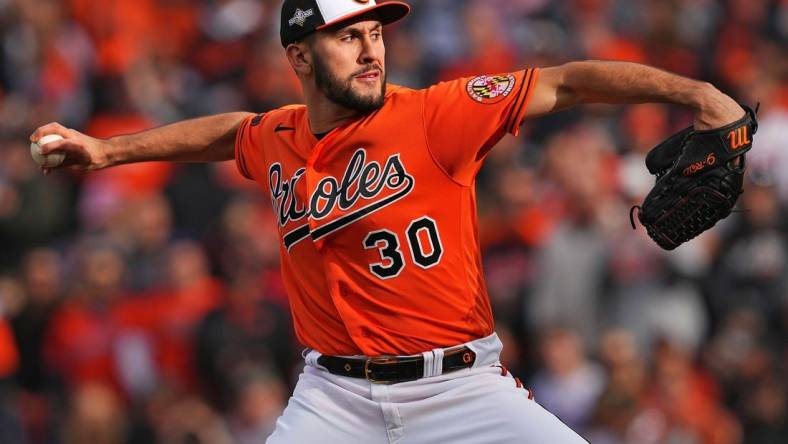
(699, 179)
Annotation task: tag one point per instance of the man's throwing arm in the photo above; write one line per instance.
(205, 139)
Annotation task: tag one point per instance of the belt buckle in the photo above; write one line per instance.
(385, 359)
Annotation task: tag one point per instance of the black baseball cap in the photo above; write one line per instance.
(303, 17)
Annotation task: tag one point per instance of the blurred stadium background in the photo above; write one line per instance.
(143, 304)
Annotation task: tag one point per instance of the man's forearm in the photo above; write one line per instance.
(623, 82)
(204, 139)
(577, 83)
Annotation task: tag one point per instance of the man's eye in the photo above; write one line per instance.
(376, 36)
(347, 38)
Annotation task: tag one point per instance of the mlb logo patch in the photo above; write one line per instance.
(300, 17)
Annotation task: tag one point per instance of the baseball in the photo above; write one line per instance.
(48, 161)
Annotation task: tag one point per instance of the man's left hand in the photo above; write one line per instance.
(716, 109)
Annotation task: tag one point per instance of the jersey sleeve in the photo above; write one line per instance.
(465, 118)
(249, 147)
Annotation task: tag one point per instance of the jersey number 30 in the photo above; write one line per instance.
(424, 242)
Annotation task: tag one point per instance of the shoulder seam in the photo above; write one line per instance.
(427, 143)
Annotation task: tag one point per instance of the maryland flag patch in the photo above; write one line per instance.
(490, 89)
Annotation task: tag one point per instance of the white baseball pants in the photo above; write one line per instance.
(477, 405)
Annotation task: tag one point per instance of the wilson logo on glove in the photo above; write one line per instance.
(699, 179)
(739, 138)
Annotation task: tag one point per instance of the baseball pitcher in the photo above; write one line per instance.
(373, 188)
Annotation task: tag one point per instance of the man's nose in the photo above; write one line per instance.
(369, 51)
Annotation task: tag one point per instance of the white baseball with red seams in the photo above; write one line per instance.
(49, 160)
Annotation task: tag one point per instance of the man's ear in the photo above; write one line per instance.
(300, 57)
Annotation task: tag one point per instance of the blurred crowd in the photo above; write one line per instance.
(143, 304)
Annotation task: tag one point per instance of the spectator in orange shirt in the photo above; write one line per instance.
(79, 342)
(167, 317)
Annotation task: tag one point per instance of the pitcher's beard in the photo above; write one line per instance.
(342, 93)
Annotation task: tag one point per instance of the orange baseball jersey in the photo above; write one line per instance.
(377, 220)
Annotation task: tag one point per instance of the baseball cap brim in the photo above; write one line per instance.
(387, 13)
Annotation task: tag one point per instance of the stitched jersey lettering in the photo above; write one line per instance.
(361, 181)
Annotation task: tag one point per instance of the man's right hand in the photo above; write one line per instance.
(204, 139)
(82, 152)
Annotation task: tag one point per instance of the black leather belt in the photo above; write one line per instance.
(394, 369)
